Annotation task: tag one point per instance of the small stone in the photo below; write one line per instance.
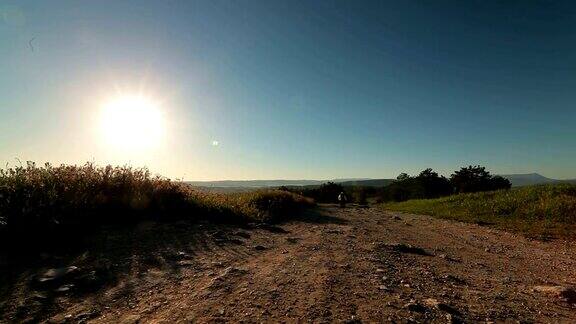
(57, 273)
(64, 288)
(130, 319)
(431, 302)
(415, 307)
(39, 296)
(454, 279)
(185, 263)
(87, 315)
(260, 248)
(406, 248)
(434, 303)
(353, 320)
(91, 280)
(453, 319)
(292, 240)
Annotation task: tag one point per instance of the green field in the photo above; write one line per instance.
(542, 211)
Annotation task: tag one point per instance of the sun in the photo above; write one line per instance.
(132, 123)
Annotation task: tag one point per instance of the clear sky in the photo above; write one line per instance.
(295, 89)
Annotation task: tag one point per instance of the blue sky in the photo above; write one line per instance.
(296, 89)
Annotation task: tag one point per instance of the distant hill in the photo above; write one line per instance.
(368, 182)
(253, 183)
(528, 179)
(288, 183)
(517, 180)
(348, 180)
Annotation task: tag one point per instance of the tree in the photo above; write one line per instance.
(433, 185)
(428, 184)
(427, 174)
(402, 176)
(499, 182)
(476, 178)
(327, 192)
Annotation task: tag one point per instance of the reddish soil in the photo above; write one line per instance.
(330, 265)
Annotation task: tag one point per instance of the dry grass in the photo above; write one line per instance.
(41, 202)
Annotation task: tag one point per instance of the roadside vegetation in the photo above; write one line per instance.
(48, 204)
(470, 194)
(427, 184)
(67, 231)
(328, 192)
(543, 211)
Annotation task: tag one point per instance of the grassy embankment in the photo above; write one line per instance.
(542, 211)
(39, 205)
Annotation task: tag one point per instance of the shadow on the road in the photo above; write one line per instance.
(122, 256)
(320, 216)
(117, 257)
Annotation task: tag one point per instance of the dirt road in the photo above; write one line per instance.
(334, 265)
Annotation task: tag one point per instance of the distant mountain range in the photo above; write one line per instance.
(517, 180)
(368, 182)
(288, 183)
(528, 179)
(254, 183)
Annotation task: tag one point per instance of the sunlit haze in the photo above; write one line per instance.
(210, 90)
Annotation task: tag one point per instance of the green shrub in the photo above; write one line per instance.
(475, 179)
(254, 206)
(272, 206)
(427, 184)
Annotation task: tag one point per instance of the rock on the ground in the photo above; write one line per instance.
(434, 303)
(56, 274)
(130, 319)
(405, 248)
(292, 240)
(64, 288)
(567, 294)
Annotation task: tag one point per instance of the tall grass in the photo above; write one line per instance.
(37, 203)
(542, 210)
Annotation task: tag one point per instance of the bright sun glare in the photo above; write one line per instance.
(132, 123)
